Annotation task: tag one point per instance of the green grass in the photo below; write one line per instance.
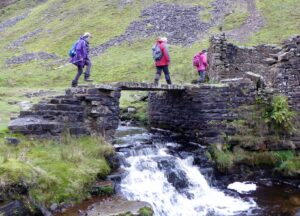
(54, 171)
(132, 99)
(146, 211)
(235, 19)
(285, 162)
(282, 21)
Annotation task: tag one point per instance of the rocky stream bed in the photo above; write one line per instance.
(174, 177)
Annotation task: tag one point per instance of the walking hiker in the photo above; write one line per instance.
(162, 59)
(80, 57)
(200, 62)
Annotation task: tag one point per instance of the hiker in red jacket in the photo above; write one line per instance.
(162, 59)
(200, 62)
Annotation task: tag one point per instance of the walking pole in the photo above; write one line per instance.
(66, 65)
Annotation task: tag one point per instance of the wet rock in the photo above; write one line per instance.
(12, 141)
(131, 110)
(16, 208)
(116, 176)
(54, 207)
(116, 206)
(174, 175)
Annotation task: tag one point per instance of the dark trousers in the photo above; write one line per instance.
(87, 73)
(202, 74)
(165, 69)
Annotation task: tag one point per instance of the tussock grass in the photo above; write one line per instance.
(54, 171)
(286, 162)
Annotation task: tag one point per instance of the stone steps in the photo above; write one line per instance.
(58, 107)
(65, 101)
(35, 125)
(69, 116)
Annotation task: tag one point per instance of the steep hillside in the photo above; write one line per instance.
(35, 36)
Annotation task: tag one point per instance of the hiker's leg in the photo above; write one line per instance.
(158, 73)
(87, 73)
(167, 74)
(201, 76)
(79, 72)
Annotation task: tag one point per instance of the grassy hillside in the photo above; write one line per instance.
(59, 23)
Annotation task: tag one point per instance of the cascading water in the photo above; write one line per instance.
(173, 186)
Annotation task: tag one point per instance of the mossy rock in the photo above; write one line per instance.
(103, 188)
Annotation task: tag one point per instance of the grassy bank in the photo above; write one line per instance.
(53, 171)
(282, 21)
(285, 163)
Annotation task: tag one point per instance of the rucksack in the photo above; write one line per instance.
(157, 53)
(196, 60)
(72, 51)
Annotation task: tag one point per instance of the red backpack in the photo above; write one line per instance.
(196, 60)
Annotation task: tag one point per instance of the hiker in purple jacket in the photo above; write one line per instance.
(81, 59)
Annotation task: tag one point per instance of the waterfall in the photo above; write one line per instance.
(173, 186)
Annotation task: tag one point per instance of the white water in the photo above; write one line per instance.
(242, 187)
(146, 182)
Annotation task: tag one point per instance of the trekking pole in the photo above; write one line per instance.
(66, 65)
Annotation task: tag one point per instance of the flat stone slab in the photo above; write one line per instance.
(30, 123)
(116, 206)
(131, 86)
(148, 86)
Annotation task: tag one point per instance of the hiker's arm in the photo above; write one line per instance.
(166, 53)
(79, 50)
(204, 61)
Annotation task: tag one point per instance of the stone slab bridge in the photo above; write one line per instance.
(202, 113)
(84, 110)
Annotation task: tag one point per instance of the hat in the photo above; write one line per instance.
(87, 34)
(164, 39)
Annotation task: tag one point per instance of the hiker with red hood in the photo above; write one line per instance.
(162, 59)
(200, 63)
(80, 57)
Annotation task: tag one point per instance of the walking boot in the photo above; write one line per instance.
(88, 79)
(74, 84)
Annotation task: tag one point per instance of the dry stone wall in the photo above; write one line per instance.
(230, 61)
(278, 66)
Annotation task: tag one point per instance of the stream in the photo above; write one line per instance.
(160, 169)
(176, 179)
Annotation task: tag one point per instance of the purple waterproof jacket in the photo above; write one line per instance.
(82, 52)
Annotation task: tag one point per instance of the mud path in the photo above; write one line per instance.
(253, 24)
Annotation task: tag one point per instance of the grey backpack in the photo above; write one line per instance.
(157, 53)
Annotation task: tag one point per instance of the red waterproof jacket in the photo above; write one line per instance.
(165, 60)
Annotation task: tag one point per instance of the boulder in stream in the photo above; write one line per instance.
(119, 206)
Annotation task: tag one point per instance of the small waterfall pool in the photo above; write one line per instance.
(165, 177)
